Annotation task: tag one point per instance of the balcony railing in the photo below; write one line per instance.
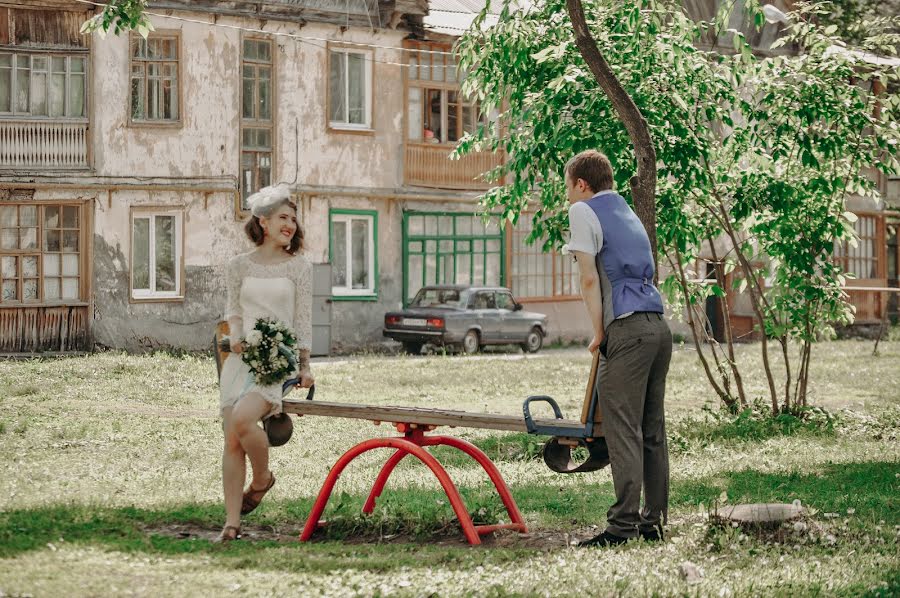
(431, 166)
(43, 144)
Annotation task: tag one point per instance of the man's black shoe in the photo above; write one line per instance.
(654, 534)
(603, 540)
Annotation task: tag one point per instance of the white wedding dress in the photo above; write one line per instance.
(281, 291)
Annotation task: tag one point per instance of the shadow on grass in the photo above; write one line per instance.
(423, 516)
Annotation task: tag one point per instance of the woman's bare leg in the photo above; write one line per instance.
(246, 415)
(234, 470)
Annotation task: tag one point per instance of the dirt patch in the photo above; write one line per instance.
(542, 539)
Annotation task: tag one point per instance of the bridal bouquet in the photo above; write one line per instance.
(270, 351)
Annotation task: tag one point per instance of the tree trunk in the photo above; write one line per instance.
(643, 185)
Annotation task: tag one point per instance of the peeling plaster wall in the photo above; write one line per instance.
(207, 145)
(210, 238)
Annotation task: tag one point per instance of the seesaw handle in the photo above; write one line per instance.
(526, 410)
(289, 384)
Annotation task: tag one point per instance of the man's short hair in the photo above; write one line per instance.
(593, 168)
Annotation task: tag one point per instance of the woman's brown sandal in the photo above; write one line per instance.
(229, 534)
(252, 497)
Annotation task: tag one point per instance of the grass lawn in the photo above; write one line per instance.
(110, 485)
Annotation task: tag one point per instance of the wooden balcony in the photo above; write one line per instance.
(428, 165)
(43, 143)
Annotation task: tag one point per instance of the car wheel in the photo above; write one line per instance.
(471, 343)
(534, 341)
(412, 348)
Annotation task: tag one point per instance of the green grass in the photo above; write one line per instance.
(105, 455)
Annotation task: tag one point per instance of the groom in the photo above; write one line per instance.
(616, 266)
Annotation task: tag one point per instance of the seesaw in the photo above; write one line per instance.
(415, 425)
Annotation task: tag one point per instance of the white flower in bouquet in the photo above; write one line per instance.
(254, 337)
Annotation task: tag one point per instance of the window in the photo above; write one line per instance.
(483, 300)
(350, 89)
(40, 253)
(505, 301)
(156, 256)
(450, 248)
(354, 253)
(535, 273)
(436, 110)
(43, 85)
(437, 298)
(861, 260)
(257, 108)
(154, 78)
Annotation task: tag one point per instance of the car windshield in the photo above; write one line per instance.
(437, 298)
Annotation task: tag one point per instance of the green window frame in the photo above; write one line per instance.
(341, 248)
(451, 248)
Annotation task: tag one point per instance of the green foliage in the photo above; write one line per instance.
(758, 152)
(120, 15)
(753, 423)
(851, 17)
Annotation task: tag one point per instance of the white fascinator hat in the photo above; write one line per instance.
(268, 199)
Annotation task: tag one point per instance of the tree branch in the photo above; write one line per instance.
(643, 185)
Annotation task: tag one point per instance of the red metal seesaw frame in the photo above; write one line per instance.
(411, 444)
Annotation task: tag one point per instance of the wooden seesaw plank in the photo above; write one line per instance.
(421, 416)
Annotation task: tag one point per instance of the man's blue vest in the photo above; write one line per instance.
(625, 262)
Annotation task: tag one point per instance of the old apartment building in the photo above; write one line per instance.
(125, 163)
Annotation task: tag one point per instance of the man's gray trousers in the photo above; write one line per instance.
(631, 382)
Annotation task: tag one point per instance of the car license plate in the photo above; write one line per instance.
(413, 321)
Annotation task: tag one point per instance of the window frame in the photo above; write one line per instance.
(347, 293)
(84, 250)
(255, 123)
(443, 87)
(151, 296)
(562, 267)
(850, 258)
(179, 96)
(459, 240)
(367, 128)
(31, 53)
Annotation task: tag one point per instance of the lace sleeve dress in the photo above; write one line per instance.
(282, 291)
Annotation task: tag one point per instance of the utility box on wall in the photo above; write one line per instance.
(321, 310)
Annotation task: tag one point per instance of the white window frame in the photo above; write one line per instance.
(347, 290)
(368, 56)
(142, 294)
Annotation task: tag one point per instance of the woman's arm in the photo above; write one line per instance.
(233, 281)
(303, 320)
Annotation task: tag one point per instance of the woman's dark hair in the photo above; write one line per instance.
(255, 231)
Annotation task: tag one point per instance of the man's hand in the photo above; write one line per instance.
(595, 343)
(306, 379)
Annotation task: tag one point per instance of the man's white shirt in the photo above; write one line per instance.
(586, 234)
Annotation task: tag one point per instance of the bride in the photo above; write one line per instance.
(272, 281)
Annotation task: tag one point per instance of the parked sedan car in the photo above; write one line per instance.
(466, 316)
